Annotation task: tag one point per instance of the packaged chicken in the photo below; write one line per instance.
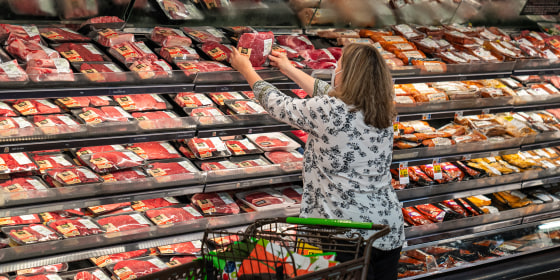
(514, 127)
(431, 95)
(520, 160)
(473, 136)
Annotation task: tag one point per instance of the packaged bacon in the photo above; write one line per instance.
(205, 148)
(20, 220)
(90, 115)
(57, 124)
(413, 217)
(49, 161)
(109, 37)
(154, 203)
(124, 175)
(191, 67)
(242, 147)
(185, 248)
(178, 53)
(112, 161)
(61, 177)
(35, 107)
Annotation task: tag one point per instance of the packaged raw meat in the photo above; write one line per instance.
(80, 52)
(105, 72)
(71, 176)
(171, 215)
(57, 124)
(186, 248)
(23, 235)
(34, 107)
(118, 223)
(187, 152)
(147, 69)
(275, 141)
(401, 46)
(319, 55)
(61, 215)
(10, 71)
(431, 212)
(245, 107)
(124, 175)
(158, 169)
(298, 43)
(129, 52)
(61, 34)
(178, 53)
(110, 38)
(100, 21)
(83, 101)
(16, 162)
(85, 274)
(209, 116)
(429, 65)
(27, 33)
(293, 192)
(192, 67)
(158, 120)
(154, 150)
(75, 227)
(217, 51)
(320, 64)
(218, 165)
(115, 258)
(48, 276)
(220, 97)
(257, 46)
(141, 102)
(112, 161)
(171, 36)
(192, 100)
(92, 116)
(6, 110)
(471, 208)
(203, 34)
(26, 51)
(45, 70)
(451, 58)
(413, 217)
(34, 8)
(50, 161)
(20, 220)
(153, 203)
(452, 171)
(430, 171)
(206, 148)
(178, 10)
(17, 126)
(242, 147)
(22, 184)
(53, 268)
(407, 31)
(174, 261)
(289, 161)
(98, 149)
(418, 176)
(264, 199)
(212, 204)
(132, 269)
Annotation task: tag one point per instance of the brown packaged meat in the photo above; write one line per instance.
(384, 38)
(489, 127)
(430, 171)
(452, 171)
(429, 66)
(428, 45)
(483, 54)
(438, 142)
(394, 62)
(453, 129)
(457, 37)
(450, 58)
(473, 136)
(455, 207)
(501, 52)
(514, 127)
(405, 56)
(432, 31)
(404, 99)
(431, 95)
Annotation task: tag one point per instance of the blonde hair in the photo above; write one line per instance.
(366, 85)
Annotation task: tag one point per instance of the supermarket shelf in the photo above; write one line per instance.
(234, 131)
(538, 182)
(543, 71)
(543, 216)
(252, 182)
(61, 250)
(541, 145)
(450, 77)
(451, 114)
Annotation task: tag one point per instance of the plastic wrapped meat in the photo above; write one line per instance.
(273, 142)
(218, 165)
(104, 114)
(10, 71)
(203, 34)
(257, 46)
(262, 198)
(103, 73)
(104, 209)
(75, 227)
(98, 149)
(319, 55)
(172, 215)
(216, 51)
(53, 268)
(50, 161)
(109, 37)
(433, 213)
(22, 184)
(169, 37)
(129, 52)
(186, 248)
(413, 217)
(178, 53)
(78, 8)
(154, 150)
(157, 117)
(158, 169)
(57, 34)
(208, 147)
(177, 10)
(298, 43)
(418, 176)
(28, 33)
(20, 220)
(429, 170)
(123, 175)
(71, 176)
(75, 52)
(153, 203)
(220, 97)
(104, 19)
(141, 102)
(112, 161)
(57, 124)
(246, 107)
(103, 261)
(192, 100)
(32, 234)
(148, 69)
(16, 162)
(44, 70)
(123, 222)
(193, 67)
(215, 203)
(132, 269)
(292, 192)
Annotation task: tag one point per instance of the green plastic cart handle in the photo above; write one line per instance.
(332, 223)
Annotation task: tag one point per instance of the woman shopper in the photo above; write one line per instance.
(349, 149)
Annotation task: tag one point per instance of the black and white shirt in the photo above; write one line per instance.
(346, 167)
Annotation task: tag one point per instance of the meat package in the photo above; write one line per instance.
(80, 52)
(57, 124)
(35, 107)
(154, 150)
(178, 53)
(93, 116)
(180, 10)
(209, 116)
(103, 72)
(50, 161)
(257, 46)
(242, 147)
(185, 248)
(103, 20)
(120, 223)
(220, 97)
(215, 203)
(129, 52)
(98, 149)
(292, 192)
(253, 164)
(218, 165)
(107, 208)
(245, 107)
(217, 51)
(171, 215)
(83, 101)
(10, 71)
(20, 220)
(103, 261)
(71, 176)
(17, 126)
(205, 148)
(203, 34)
(141, 102)
(163, 168)
(289, 161)
(192, 67)
(23, 235)
(264, 199)
(132, 269)
(275, 141)
(61, 34)
(75, 227)
(192, 100)
(318, 55)
(153, 203)
(6, 110)
(169, 37)
(16, 162)
(112, 161)
(48, 276)
(298, 43)
(151, 69)
(60, 215)
(85, 274)
(174, 261)
(109, 37)
(49, 70)
(53, 268)
(158, 120)
(124, 175)
(22, 184)
(26, 51)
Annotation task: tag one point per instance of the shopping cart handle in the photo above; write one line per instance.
(333, 223)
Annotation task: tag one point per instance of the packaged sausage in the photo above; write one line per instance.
(418, 176)
(455, 207)
(413, 217)
(429, 170)
(431, 212)
(500, 51)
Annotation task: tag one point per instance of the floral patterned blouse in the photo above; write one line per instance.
(346, 162)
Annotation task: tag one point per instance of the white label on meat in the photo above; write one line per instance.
(113, 67)
(258, 108)
(88, 173)
(105, 98)
(550, 150)
(494, 170)
(31, 30)
(100, 275)
(436, 96)
(551, 88)
(11, 69)
(87, 223)
(157, 98)
(21, 158)
(187, 166)
(92, 49)
(61, 65)
(482, 123)
(171, 114)
(157, 262)
(168, 148)
(21, 122)
(329, 54)
(421, 86)
(140, 219)
(197, 244)
(67, 120)
(143, 47)
(305, 40)
(267, 47)
(204, 101)
(171, 199)
(218, 144)
(164, 66)
(538, 91)
(524, 41)
(41, 230)
(550, 55)
(46, 103)
(5, 106)
(226, 198)
(228, 164)
(528, 155)
(247, 144)
(62, 160)
(53, 277)
(296, 154)
(133, 156)
(123, 112)
(192, 211)
(36, 184)
(420, 127)
(27, 217)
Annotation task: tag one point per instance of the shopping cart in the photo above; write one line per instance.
(265, 250)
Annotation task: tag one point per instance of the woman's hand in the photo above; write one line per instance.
(240, 62)
(280, 60)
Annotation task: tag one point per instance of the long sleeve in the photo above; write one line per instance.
(321, 88)
(305, 114)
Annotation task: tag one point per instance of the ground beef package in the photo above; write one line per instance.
(22, 184)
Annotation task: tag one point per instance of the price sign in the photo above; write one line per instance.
(403, 173)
